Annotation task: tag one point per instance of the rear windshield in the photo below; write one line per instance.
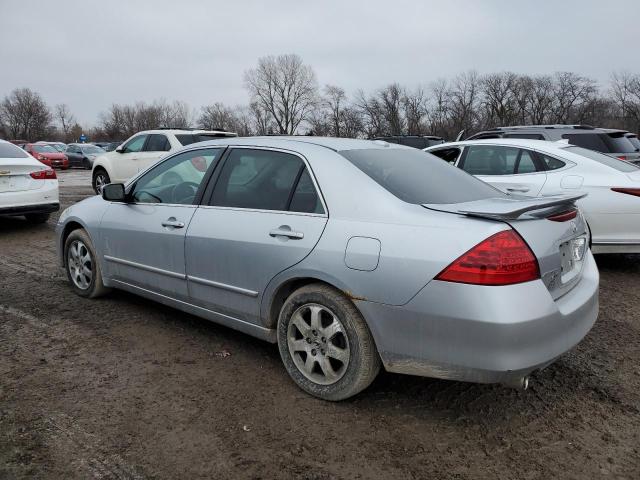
(419, 177)
(592, 141)
(189, 138)
(612, 162)
(9, 150)
(618, 143)
(635, 142)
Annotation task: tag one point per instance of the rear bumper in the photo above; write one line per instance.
(28, 209)
(616, 247)
(483, 334)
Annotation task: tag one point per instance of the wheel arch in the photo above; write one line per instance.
(69, 227)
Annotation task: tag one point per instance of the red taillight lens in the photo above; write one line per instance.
(47, 174)
(622, 157)
(502, 259)
(564, 216)
(628, 191)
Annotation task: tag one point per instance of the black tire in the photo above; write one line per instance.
(363, 359)
(98, 175)
(37, 218)
(95, 287)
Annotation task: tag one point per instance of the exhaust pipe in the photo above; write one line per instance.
(519, 383)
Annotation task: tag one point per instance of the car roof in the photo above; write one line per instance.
(515, 142)
(182, 131)
(332, 143)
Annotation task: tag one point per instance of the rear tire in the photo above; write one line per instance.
(81, 265)
(100, 179)
(37, 218)
(325, 343)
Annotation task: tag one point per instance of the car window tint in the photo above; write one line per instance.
(177, 179)
(258, 179)
(135, 144)
(415, 142)
(448, 154)
(418, 177)
(305, 197)
(9, 150)
(490, 160)
(612, 162)
(619, 143)
(531, 136)
(635, 142)
(551, 163)
(592, 141)
(526, 164)
(157, 143)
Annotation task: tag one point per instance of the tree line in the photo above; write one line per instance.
(286, 98)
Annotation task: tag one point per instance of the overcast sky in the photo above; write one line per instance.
(91, 54)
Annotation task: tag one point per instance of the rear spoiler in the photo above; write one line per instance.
(510, 208)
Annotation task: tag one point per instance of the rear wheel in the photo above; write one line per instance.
(325, 343)
(36, 218)
(100, 179)
(81, 265)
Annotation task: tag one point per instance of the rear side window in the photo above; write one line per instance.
(635, 142)
(189, 138)
(526, 163)
(592, 141)
(619, 143)
(612, 162)
(418, 177)
(9, 150)
(490, 160)
(530, 136)
(157, 143)
(551, 163)
(265, 180)
(416, 142)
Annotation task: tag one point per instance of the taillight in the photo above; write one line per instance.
(622, 157)
(629, 191)
(47, 174)
(564, 216)
(501, 259)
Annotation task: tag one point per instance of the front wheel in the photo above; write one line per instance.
(325, 343)
(100, 179)
(81, 265)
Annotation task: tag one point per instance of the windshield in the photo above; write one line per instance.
(8, 150)
(44, 149)
(92, 149)
(612, 162)
(419, 177)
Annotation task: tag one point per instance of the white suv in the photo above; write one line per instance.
(143, 150)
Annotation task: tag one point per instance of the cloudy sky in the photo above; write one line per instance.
(91, 54)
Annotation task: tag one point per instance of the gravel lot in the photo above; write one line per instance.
(121, 388)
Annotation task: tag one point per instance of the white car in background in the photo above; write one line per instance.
(541, 168)
(143, 150)
(27, 186)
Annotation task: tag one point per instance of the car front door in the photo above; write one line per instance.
(74, 156)
(512, 170)
(264, 215)
(156, 147)
(125, 162)
(143, 238)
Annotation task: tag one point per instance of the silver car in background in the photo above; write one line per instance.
(349, 255)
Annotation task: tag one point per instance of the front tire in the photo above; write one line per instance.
(81, 265)
(100, 179)
(325, 343)
(37, 218)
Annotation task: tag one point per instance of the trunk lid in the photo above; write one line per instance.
(560, 246)
(14, 175)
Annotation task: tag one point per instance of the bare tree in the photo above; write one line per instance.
(464, 97)
(284, 88)
(499, 99)
(65, 119)
(571, 93)
(217, 116)
(25, 115)
(415, 111)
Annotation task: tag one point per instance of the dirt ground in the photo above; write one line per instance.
(123, 388)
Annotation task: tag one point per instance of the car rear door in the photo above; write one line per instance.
(143, 238)
(510, 169)
(263, 214)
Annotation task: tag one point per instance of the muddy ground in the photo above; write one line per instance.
(121, 388)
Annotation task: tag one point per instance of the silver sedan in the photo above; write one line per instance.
(349, 254)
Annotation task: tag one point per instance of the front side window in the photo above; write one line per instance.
(177, 179)
(265, 180)
(135, 144)
(490, 160)
(157, 143)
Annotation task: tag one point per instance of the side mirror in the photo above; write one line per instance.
(114, 192)
(120, 150)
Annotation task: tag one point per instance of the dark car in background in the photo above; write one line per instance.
(613, 142)
(83, 154)
(111, 146)
(415, 141)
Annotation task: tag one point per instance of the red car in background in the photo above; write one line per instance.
(47, 155)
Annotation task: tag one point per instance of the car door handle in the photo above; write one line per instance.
(518, 189)
(172, 222)
(285, 231)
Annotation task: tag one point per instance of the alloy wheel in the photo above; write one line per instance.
(80, 264)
